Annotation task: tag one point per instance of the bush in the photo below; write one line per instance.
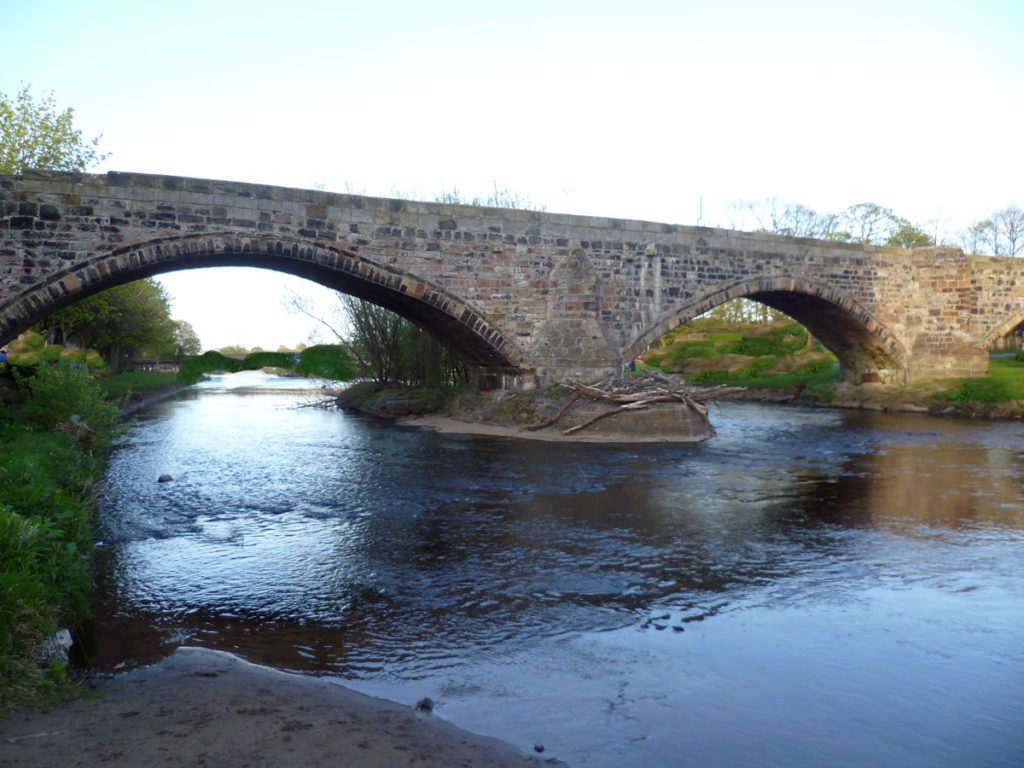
(257, 360)
(46, 489)
(328, 361)
(192, 370)
(66, 396)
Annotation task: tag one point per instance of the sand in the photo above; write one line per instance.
(446, 424)
(203, 708)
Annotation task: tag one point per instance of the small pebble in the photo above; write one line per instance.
(425, 704)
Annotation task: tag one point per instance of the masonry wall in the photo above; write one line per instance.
(544, 295)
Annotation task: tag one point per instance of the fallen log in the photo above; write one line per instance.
(633, 395)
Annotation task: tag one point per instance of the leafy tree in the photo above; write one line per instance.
(909, 236)
(119, 323)
(39, 135)
(186, 340)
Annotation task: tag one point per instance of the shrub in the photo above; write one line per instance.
(257, 360)
(328, 361)
(66, 396)
(192, 370)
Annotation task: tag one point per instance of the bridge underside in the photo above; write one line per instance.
(863, 355)
(451, 322)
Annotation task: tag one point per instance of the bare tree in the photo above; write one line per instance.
(1010, 224)
(870, 222)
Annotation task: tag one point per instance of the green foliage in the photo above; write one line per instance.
(48, 466)
(186, 340)
(256, 360)
(122, 384)
(778, 341)
(30, 349)
(39, 135)
(328, 361)
(907, 235)
(66, 396)
(979, 390)
(192, 370)
(119, 322)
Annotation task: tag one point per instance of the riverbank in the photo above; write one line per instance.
(200, 707)
(553, 414)
(139, 400)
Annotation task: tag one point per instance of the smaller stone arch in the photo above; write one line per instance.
(1000, 331)
(454, 321)
(866, 351)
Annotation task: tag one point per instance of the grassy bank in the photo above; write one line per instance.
(122, 385)
(54, 440)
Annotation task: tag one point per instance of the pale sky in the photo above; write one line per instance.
(627, 109)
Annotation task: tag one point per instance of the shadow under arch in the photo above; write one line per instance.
(866, 351)
(453, 321)
(1002, 330)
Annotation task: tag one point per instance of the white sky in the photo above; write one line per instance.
(627, 109)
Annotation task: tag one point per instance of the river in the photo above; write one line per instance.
(809, 587)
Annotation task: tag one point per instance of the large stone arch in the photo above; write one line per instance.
(452, 320)
(865, 349)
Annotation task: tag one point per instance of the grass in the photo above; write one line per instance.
(1004, 383)
(813, 379)
(122, 384)
(52, 450)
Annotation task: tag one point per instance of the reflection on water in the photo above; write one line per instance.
(806, 588)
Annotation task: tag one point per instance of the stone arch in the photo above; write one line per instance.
(452, 320)
(999, 331)
(866, 351)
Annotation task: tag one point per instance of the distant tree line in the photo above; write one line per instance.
(999, 234)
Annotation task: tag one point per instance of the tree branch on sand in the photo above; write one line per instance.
(631, 395)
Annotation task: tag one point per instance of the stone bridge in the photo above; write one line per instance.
(538, 296)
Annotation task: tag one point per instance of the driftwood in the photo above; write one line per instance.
(630, 395)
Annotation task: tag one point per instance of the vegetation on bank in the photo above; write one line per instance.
(741, 353)
(327, 361)
(54, 440)
(1004, 384)
(120, 386)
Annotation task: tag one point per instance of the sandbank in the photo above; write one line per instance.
(207, 708)
(447, 424)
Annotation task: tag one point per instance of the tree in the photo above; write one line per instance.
(869, 222)
(118, 323)
(186, 340)
(1010, 223)
(499, 197)
(39, 135)
(909, 236)
(376, 338)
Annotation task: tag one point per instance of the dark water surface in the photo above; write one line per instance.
(806, 588)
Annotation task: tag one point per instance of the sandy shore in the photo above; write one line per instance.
(449, 425)
(203, 708)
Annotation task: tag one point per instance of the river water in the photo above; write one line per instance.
(809, 587)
